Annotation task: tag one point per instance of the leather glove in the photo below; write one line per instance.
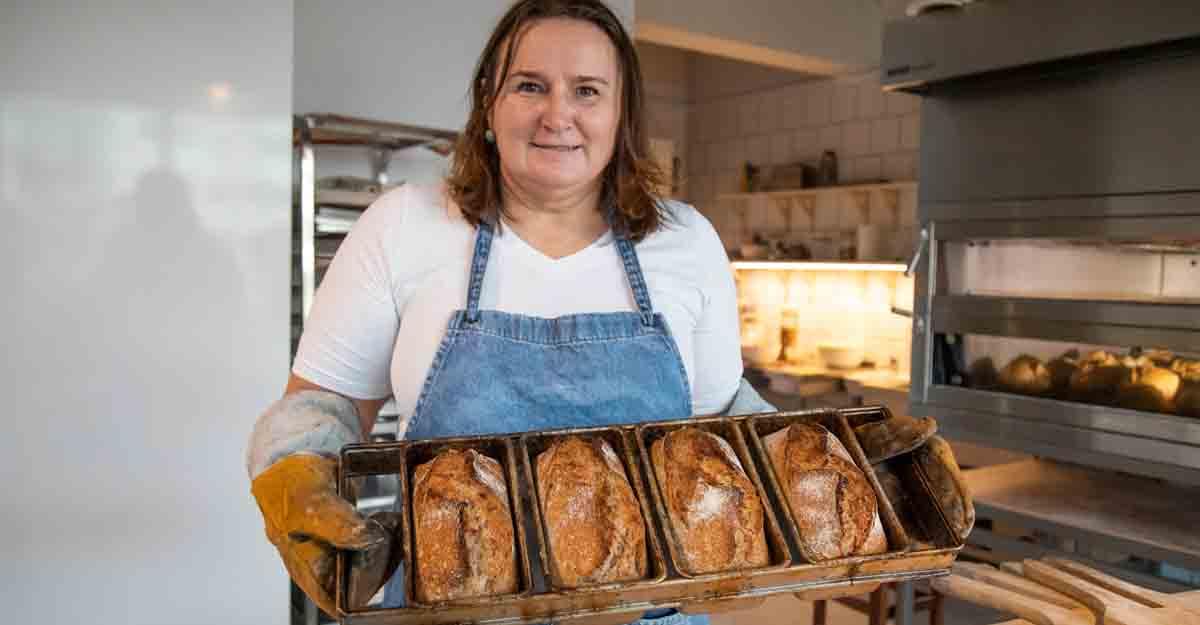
(293, 479)
(307, 522)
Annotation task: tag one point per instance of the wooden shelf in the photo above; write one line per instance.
(901, 185)
(1137, 515)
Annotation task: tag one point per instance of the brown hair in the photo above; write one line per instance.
(629, 179)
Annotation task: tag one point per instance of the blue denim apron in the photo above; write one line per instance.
(497, 372)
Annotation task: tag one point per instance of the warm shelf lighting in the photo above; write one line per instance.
(807, 265)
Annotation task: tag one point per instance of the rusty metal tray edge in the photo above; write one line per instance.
(657, 562)
(774, 533)
(342, 579)
(417, 617)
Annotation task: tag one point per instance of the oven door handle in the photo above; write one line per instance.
(922, 243)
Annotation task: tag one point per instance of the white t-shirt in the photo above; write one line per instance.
(382, 308)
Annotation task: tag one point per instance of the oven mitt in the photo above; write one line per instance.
(291, 461)
(891, 437)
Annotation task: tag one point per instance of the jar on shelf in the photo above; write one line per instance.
(789, 323)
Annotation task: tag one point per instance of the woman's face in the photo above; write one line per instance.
(555, 117)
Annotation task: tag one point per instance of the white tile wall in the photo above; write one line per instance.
(856, 137)
(830, 138)
(867, 168)
(875, 135)
(845, 102)
(758, 149)
(819, 103)
(885, 135)
(870, 104)
(748, 114)
(781, 147)
(910, 132)
(807, 144)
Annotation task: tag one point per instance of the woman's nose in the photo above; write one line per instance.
(558, 113)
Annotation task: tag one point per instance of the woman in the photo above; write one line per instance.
(544, 286)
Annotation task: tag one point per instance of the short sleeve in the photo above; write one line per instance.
(351, 329)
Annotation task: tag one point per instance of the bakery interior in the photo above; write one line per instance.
(984, 212)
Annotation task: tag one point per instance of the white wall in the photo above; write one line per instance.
(144, 183)
(819, 36)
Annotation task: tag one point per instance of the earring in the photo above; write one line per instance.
(489, 136)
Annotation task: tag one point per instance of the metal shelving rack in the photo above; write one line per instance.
(315, 240)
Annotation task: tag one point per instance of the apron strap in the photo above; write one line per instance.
(483, 248)
(637, 282)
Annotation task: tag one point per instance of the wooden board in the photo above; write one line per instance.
(1136, 511)
(1190, 599)
(1115, 608)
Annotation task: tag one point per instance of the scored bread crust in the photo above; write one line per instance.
(592, 517)
(835, 508)
(715, 512)
(463, 528)
(950, 489)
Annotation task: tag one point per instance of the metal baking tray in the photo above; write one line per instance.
(624, 602)
(533, 445)
(779, 556)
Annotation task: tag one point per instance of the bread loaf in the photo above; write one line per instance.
(463, 528)
(590, 513)
(1097, 383)
(1026, 375)
(834, 506)
(937, 462)
(1149, 388)
(1188, 401)
(715, 512)
(891, 437)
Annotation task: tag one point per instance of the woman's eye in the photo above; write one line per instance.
(526, 86)
(587, 92)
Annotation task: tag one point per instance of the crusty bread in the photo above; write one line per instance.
(1188, 401)
(1149, 388)
(936, 460)
(835, 508)
(1026, 375)
(715, 512)
(893, 436)
(590, 512)
(463, 528)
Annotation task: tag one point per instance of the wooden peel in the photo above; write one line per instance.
(1140, 594)
(1109, 606)
(1003, 579)
(1033, 610)
(1013, 567)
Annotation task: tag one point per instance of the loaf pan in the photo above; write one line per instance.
(500, 449)
(759, 427)
(916, 509)
(532, 446)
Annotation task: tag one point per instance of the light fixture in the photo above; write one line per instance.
(804, 265)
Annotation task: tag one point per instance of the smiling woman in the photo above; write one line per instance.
(544, 286)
